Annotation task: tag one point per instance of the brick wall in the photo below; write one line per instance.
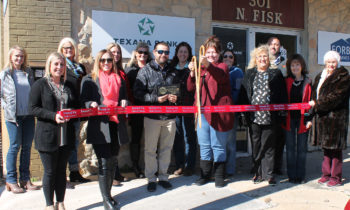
(38, 26)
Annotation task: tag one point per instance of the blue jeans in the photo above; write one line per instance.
(73, 158)
(21, 136)
(185, 144)
(231, 149)
(212, 143)
(296, 145)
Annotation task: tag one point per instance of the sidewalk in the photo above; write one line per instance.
(240, 193)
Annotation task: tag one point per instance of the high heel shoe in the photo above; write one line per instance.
(14, 188)
(28, 185)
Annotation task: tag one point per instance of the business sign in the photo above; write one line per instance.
(286, 13)
(128, 29)
(334, 41)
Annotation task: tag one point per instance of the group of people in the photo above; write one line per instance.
(66, 85)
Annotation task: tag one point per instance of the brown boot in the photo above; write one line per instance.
(14, 188)
(52, 207)
(28, 185)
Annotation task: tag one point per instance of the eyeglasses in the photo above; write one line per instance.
(142, 52)
(68, 48)
(166, 52)
(228, 56)
(109, 60)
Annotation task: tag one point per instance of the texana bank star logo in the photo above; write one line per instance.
(146, 26)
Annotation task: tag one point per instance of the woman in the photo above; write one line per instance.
(263, 85)
(118, 58)
(236, 76)
(140, 57)
(16, 80)
(330, 101)
(104, 87)
(185, 145)
(75, 73)
(47, 96)
(297, 125)
(214, 90)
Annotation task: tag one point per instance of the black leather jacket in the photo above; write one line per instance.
(148, 79)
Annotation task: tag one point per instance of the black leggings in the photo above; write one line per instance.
(54, 180)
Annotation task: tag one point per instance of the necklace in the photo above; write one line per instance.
(297, 82)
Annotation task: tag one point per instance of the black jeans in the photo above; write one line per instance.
(280, 141)
(54, 180)
(263, 141)
(136, 123)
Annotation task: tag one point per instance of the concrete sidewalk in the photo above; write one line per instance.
(240, 193)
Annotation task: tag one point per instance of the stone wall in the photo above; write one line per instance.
(325, 15)
(82, 10)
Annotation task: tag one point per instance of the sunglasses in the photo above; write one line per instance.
(228, 56)
(142, 52)
(166, 52)
(109, 60)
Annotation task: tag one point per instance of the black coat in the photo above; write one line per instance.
(332, 110)
(75, 80)
(98, 126)
(43, 105)
(148, 79)
(278, 93)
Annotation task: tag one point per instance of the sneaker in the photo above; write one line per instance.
(151, 187)
(333, 183)
(323, 180)
(272, 182)
(165, 184)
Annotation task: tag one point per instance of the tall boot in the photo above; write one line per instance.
(206, 166)
(103, 181)
(219, 173)
(113, 166)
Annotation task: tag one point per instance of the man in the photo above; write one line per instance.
(275, 50)
(159, 128)
(280, 63)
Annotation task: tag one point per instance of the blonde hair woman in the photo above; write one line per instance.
(16, 81)
(47, 96)
(263, 85)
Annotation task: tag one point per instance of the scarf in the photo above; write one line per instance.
(75, 67)
(110, 85)
(59, 93)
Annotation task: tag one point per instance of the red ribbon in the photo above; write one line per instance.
(77, 113)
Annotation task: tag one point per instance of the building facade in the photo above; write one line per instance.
(39, 25)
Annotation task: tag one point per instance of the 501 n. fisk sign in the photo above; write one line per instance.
(127, 29)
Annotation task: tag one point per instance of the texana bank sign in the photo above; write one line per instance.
(334, 41)
(127, 29)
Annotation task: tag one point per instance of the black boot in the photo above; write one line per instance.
(219, 173)
(206, 166)
(113, 166)
(74, 176)
(104, 182)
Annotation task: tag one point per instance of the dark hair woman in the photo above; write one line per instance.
(236, 77)
(140, 57)
(297, 125)
(16, 81)
(214, 90)
(104, 87)
(185, 144)
(47, 96)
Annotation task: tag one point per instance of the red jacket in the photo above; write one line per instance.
(305, 99)
(216, 90)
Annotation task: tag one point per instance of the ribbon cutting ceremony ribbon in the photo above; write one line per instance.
(77, 113)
